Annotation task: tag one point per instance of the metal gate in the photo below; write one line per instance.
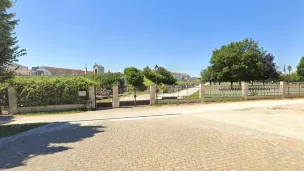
(104, 98)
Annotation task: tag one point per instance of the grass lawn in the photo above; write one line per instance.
(193, 96)
(9, 130)
(53, 112)
(147, 82)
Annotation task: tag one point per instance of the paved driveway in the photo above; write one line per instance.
(176, 141)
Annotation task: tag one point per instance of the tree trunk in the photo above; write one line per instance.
(240, 83)
(251, 82)
(231, 85)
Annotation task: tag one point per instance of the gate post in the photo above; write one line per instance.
(115, 97)
(283, 88)
(245, 90)
(202, 92)
(12, 101)
(152, 94)
(92, 97)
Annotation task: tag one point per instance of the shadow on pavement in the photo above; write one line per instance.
(6, 119)
(17, 152)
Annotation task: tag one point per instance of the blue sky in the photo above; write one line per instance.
(177, 34)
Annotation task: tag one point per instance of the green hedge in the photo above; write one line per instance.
(43, 91)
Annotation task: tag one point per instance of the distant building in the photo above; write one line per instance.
(98, 69)
(14, 66)
(181, 76)
(53, 71)
(19, 69)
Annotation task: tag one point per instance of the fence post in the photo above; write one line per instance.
(115, 97)
(152, 94)
(92, 96)
(202, 92)
(245, 90)
(12, 101)
(283, 88)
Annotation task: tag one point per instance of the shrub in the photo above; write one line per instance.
(163, 88)
(106, 80)
(43, 91)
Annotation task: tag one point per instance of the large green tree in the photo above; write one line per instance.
(168, 75)
(300, 69)
(206, 75)
(162, 75)
(9, 50)
(134, 76)
(242, 61)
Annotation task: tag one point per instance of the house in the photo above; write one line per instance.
(19, 69)
(181, 76)
(98, 69)
(53, 71)
(14, 66)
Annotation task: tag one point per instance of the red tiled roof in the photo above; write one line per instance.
(64, 71)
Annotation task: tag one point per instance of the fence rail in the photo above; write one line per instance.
(223, 90)
(265, 90)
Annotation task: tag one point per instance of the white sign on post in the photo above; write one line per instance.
(82, 93)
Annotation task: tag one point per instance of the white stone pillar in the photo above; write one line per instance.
(12, 100)
(245, 90)
(92, 97)
(115, 97)
(202, 92)
(283, 87)
(152, 94)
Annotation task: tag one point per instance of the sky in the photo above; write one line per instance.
(177, 34)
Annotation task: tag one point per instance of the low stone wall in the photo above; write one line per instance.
(50, 108)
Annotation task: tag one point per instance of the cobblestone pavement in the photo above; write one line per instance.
(181, 142)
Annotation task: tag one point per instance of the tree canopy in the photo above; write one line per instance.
(106, 80)
(300, 68)
(134, 76)
(241, 61)
(163, 75)
(9, 50)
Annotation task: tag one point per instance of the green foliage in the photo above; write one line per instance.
(43, 91)
(300, 68)
(147, 82)
(151, 75)
(242, 61)
(9, 50)
(291, 78)
(162, 75)
(163, 88)
(207, 75)
(169, 79)
(106, 80)
(134, 76)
